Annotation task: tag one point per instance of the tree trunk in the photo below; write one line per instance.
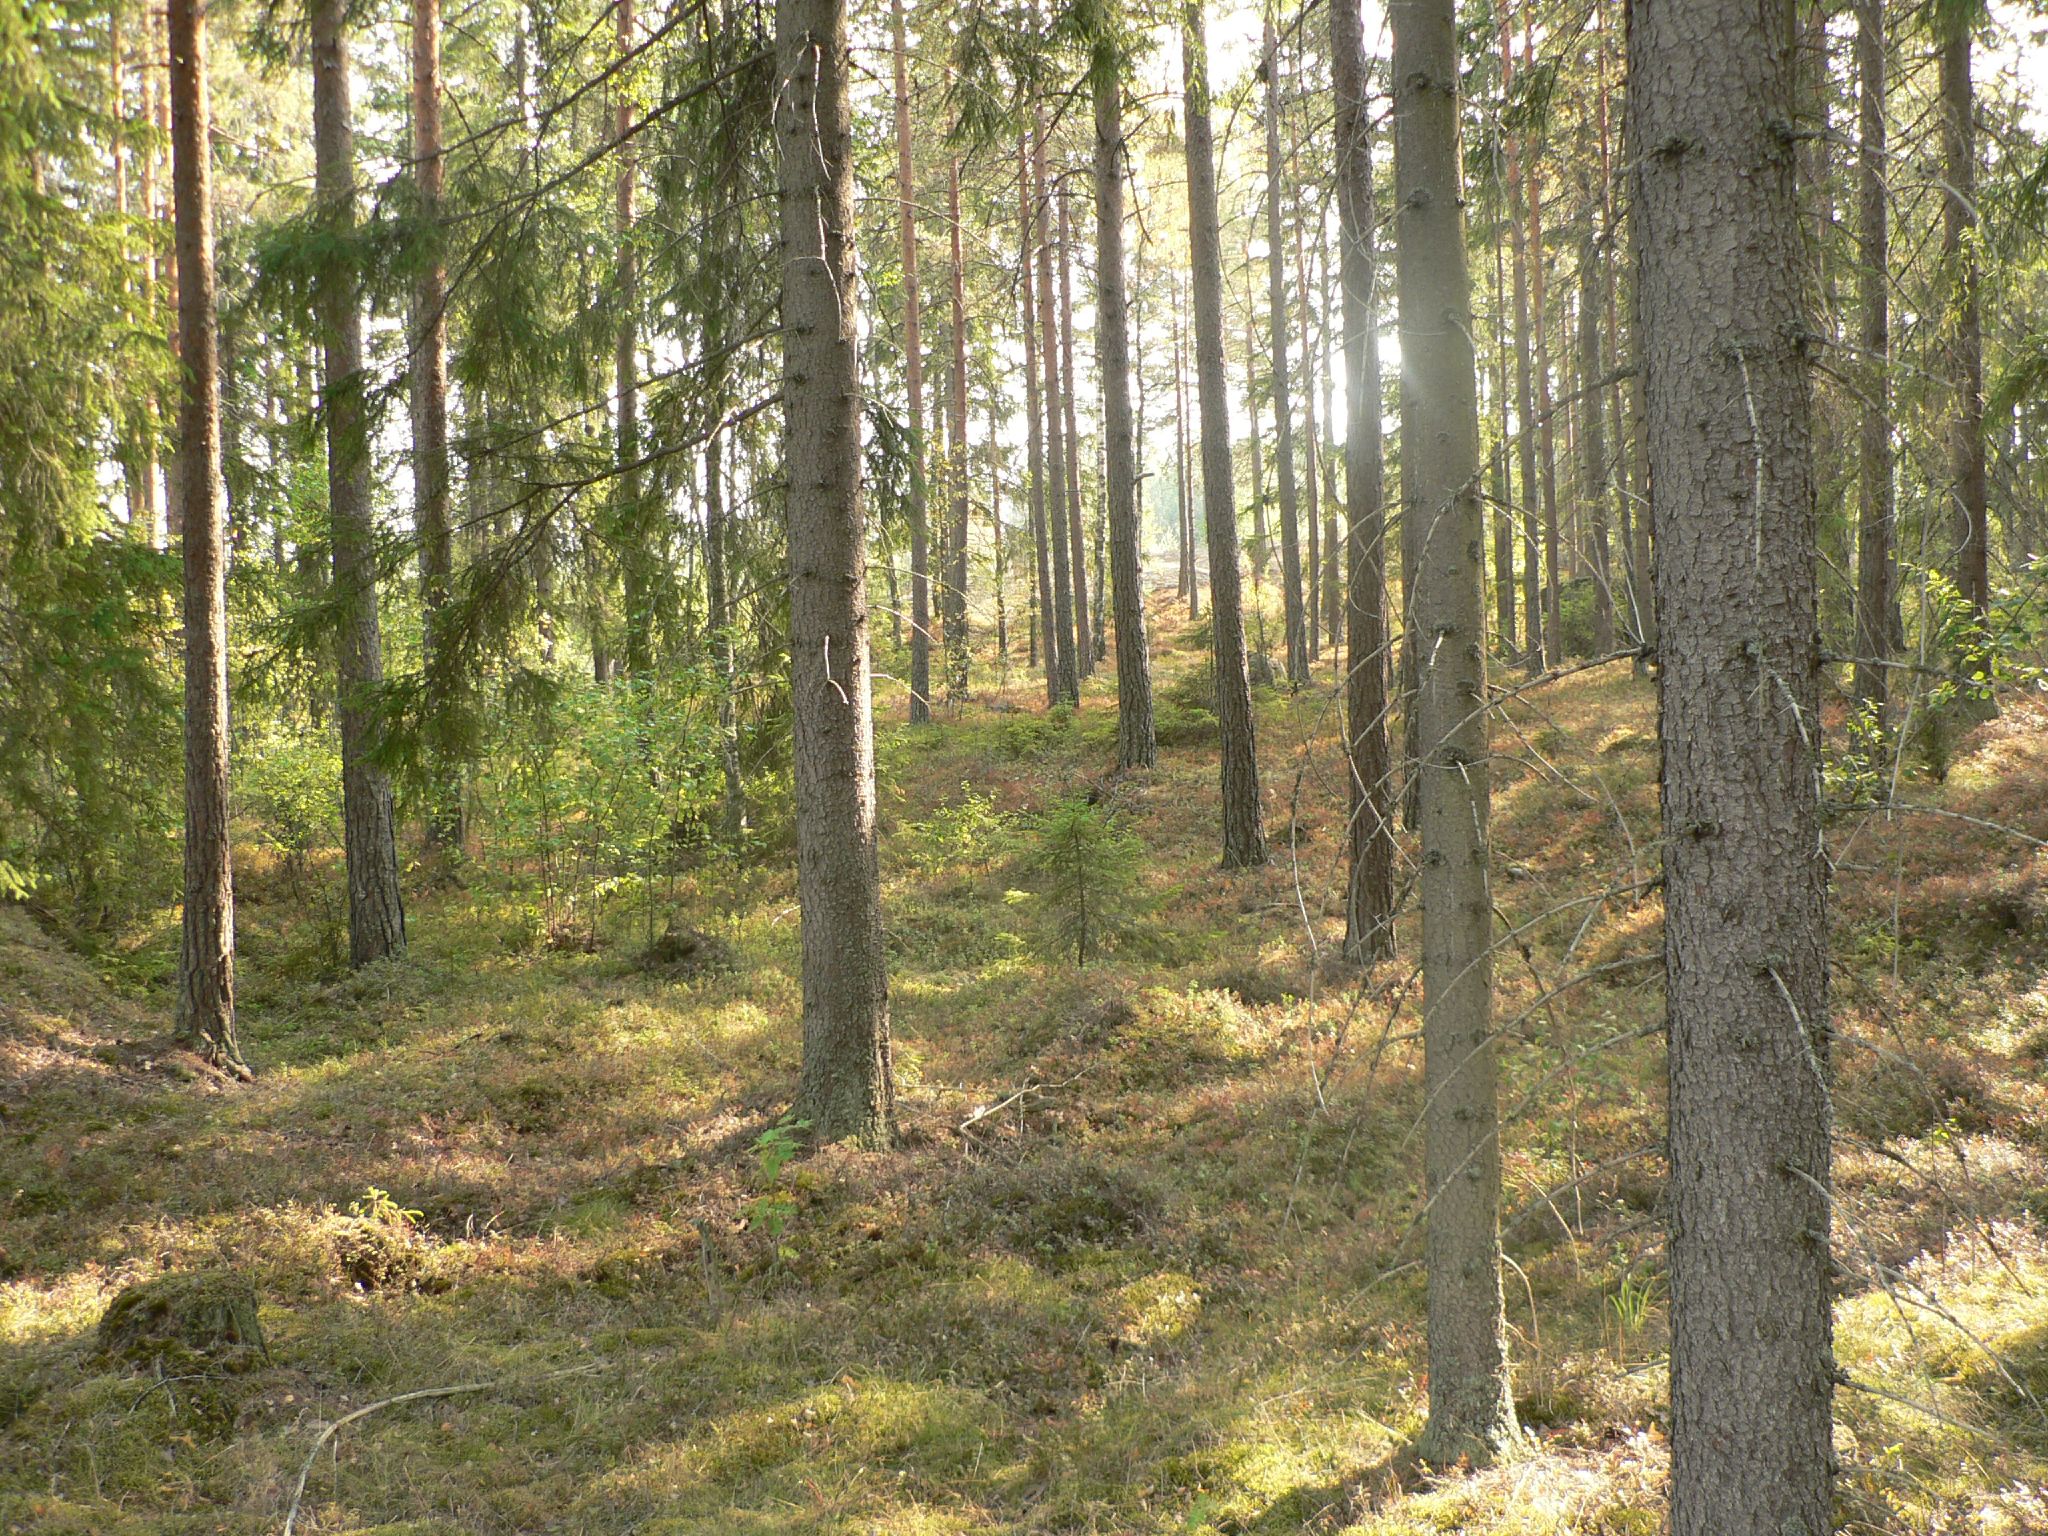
(1034, 418)
(1190, 583)
(1062, 610)
(1135, 744)
(376, 909)
(1966, 344)
(1283, 405)
(206, 966)
(1471, 1410)
(1545, 418)
(635, 534)
(430, 432)
(913, 376)
(1593, 438)
(1369, 903)
(955, 596)
(1084, 644)
(1244, 830)
(847, 1090)
(1874, 520)
(1724, 328)
(733, 807)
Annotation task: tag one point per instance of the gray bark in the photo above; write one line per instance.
(913, 377)
(1244, 828)
(1875, 511)
(376, 909)
(1369, 904)
(1283, 404)
(847, 1090)
(1135, 744)
(1723, 339)
(206, 966)
(1471, 1409)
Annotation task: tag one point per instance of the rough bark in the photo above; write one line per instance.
(846, 1090)
(376, 909)
(1369, 903)
(1084, 643)
(1047, 643)
(430, 429)
(955, 594)
(1283, 405)
(635, 536)
(733, 805)
(1057, 537)
(206, 966)
(1594, 480)
(1875, 504)
(1471, 1409)
(1244, 827)
(913, 378)
(1968, 492)
(1135, 744)
(1712, 83)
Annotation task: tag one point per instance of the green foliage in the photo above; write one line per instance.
(289, 782)
(773, 1208)
(1091, 870)
(603, 792)
(377, 1205)
(969, 833)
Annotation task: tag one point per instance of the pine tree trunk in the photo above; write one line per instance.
(635, 536)
(913, 376)
(733, 807)
(847, 1090)
(956, 564)
(1283, 405)
(1874, 521)
(1244, 829)
(1724, 327)
(1369, 903)
(1190, 583)
(1593, 439)
(206, 966)
(376, 909)
(1966, 343)
(1545, 418)
(1043, 636)
(1057, 536)
(1135, 743)
(430, 430)
(1471, 1410)
(1084, 644)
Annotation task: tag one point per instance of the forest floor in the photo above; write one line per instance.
(1146, 1260)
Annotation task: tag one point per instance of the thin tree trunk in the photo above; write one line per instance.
(1744, 866)
(1544, 420)
(1057, 537)
(847, 1089)
(1874, 521)
(1136, 746)
(206, 965)
(1034, 416)
(1471, 1409)
(1244, 830)
(995, 522)
(155, 514)
(430, 431)
(635, 534)
(1966, 343)
(733, 807)
(1593, 439)
(1503, 518)
(376, 909)
(1084, 644)
(1283, 404)
(1369, 903)
(956, 565)
(1190, 584)
(1322, 555)
(913, 376)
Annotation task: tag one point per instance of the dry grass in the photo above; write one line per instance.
(1167, 1290)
